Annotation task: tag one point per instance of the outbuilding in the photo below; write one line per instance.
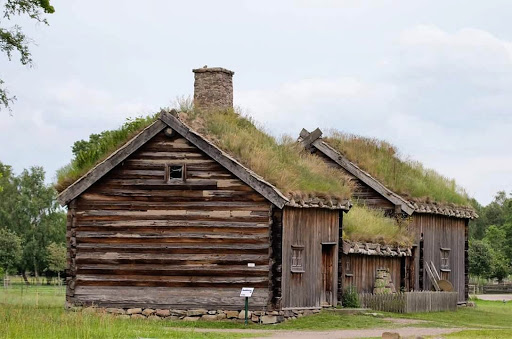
(440, 229)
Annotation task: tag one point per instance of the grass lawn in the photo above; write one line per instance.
(37, 312)
(486, 314)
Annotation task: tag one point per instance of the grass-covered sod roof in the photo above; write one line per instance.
(404, 176)
(281, 162)
(370, 225)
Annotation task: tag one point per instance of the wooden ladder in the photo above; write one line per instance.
(433, 275)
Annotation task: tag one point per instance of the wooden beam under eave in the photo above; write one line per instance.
(363, 176)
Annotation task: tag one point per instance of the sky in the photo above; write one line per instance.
(433, 78)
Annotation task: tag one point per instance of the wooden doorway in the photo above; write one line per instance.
(328, 288)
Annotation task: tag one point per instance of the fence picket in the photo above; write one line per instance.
(408, 302)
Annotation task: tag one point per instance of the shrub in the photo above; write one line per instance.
(351, 297)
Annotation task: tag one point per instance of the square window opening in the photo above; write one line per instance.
(175, 173)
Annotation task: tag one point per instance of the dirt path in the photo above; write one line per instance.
(337, 334)
(495, 297)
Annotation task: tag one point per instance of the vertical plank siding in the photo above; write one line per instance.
(141, 241)
(410, 302)
(308, 227)
(363, 271)
(443, 232)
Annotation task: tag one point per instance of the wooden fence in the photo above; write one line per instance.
(408, 302)
(490, 289)
(497, 289)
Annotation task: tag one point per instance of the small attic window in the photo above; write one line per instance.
(297, 259)
(445, 258)
(175, 173)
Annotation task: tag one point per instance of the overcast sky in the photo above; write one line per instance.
(432, 77)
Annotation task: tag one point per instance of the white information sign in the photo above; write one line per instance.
(247, 292)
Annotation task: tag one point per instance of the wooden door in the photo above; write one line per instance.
(327, 274)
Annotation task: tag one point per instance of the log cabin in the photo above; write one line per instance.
(440, 229)
(170, 220)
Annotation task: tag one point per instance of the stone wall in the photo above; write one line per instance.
(261, 317)
(213, 89)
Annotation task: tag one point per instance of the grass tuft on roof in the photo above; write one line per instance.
(280, 161)
(370, 225)
(404, 176)
(88, 153)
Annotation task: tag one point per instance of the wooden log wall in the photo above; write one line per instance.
(317, 231)
(340, 256)
(360, 271)
(276, 258)
(142, 241)
(71, 254)
(441, 232)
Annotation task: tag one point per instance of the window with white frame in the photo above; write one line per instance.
(297, 265)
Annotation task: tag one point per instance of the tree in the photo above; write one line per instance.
(56, 258)
(13, 39)
(39, 218)
(10, 250)
(480, 259)
(500, 266)
(29, 208)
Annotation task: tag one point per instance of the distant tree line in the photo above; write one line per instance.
(32, 225)
(490, 244)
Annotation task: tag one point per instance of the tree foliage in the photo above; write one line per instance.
(28, 208)
(10, 250)
(491, 239)
(480, 259)
(13, 40)
(56, 257)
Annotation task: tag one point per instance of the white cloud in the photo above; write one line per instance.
(444, 101)
(48, 127)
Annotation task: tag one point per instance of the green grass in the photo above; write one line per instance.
(38, 312)
(331, 320)
(404, 176)
(486, 314)
(483, 334)
(368, 225)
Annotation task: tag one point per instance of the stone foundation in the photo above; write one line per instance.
(260, 317)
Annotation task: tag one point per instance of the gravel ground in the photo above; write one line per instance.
(337, 334)
(494, 297)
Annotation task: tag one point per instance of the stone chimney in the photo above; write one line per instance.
(213, 88)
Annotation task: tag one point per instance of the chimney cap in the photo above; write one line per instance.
(213, 70)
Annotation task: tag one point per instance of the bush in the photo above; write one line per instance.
(350, 297)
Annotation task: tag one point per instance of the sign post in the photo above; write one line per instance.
(247, 293)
